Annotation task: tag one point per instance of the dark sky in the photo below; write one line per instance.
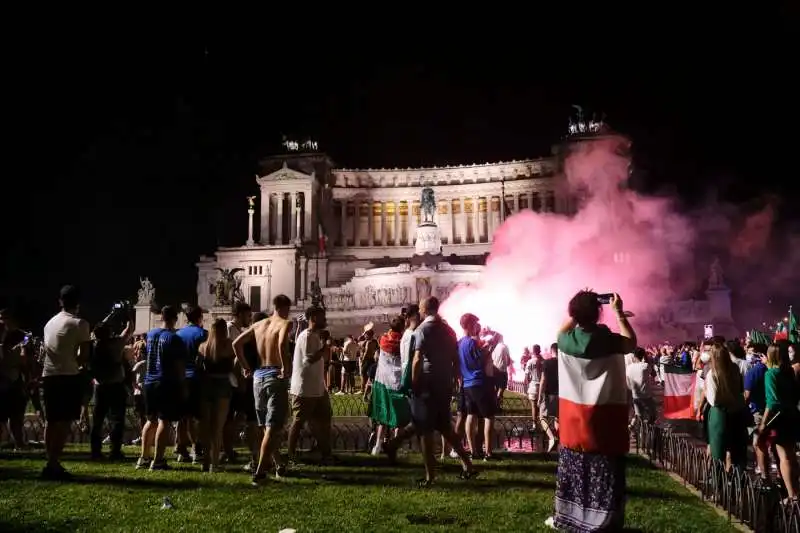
(133, 158)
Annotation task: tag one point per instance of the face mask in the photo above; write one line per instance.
(705, 357)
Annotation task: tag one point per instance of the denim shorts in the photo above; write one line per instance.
(271, 395)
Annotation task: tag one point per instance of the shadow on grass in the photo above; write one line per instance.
(52, 526)
(82, 478)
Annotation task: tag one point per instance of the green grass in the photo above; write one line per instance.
(514, 404)
(512, 495)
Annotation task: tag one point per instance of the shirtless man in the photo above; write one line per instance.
(270, 381)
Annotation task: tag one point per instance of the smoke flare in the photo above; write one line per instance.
(617, 241)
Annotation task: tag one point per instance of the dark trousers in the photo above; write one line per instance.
(110, 400)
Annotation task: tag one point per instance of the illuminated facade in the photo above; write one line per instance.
(367, 218)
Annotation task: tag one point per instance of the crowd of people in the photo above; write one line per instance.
(257, 370)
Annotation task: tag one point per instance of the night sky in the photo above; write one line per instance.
(133, 158)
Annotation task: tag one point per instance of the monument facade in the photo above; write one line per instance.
(358, 234)
(367, 242)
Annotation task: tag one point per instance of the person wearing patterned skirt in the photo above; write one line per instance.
(593, 411)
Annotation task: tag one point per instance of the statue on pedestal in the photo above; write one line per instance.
(715, 276)
(147, 293)
(427, 205)
(251, 202)
(228, 287)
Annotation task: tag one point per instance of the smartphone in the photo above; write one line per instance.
(604, 299)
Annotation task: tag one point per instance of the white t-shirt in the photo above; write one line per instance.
(350, 350)
(63, 334)
(308, 379)
(501, 357)
(637, 377)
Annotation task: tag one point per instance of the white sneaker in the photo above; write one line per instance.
(453, 454)
(550, 522)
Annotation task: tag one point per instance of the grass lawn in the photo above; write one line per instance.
(512, 495)
(514, 404)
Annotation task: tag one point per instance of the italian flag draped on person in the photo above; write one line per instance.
(593, 392)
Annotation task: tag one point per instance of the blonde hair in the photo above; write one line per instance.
(728, 378)
(218, 344)
(778, 356)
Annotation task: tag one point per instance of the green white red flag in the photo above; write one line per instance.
(679, 384)
(786, 330)
(593, 393)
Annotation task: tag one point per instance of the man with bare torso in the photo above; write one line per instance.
(270, 381)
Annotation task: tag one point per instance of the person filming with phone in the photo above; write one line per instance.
(593, 411)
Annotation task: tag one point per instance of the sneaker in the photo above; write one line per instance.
(183, 457)
(136, 442)
(550, 522)
(280, 471)
(143, 462)
(249, 467)
(159, 465)
(453, 454)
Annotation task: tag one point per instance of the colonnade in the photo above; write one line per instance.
(285, 217)
(461, 219)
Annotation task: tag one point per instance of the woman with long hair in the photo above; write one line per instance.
(215, 359)
(727, 416)
(780, 424)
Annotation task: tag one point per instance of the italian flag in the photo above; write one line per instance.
(679, 385)
(593, 392)
(787, 331)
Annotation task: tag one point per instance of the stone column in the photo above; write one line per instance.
(489, 218)
(530, 201)
(308, 231)
(516, 202)
(397, 235)
(462, 202)
(371, 223)
(411, 223)
(265, 214)
(384, 229)
(250, 213)
(452, 234)
(295, 217)
(356, 222)
(279, 219)
(476, 219)
(343, 211)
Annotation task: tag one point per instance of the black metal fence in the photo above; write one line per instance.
(740, 493)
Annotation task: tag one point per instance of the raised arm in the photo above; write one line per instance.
(625, 329)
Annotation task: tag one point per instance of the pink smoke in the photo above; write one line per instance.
(617, 241)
